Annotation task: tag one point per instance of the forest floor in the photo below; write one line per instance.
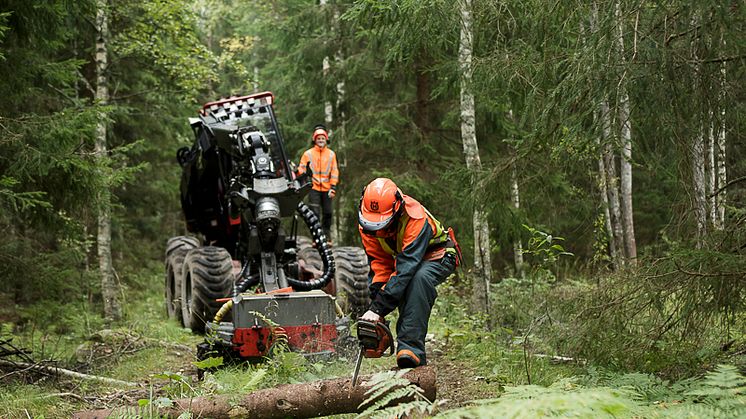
(158, 355)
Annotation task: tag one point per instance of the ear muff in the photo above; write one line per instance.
(400, 203)
(362, 194)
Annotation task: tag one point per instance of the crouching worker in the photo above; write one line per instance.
(409, 254)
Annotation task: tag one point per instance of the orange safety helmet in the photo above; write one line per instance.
(380, 204)
(319, 130)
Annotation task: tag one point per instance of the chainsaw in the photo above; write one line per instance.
(375, 338)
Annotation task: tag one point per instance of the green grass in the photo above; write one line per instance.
(145, 350)
(39, 400)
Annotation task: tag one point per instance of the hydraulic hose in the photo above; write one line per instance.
(245, 283)
(312, 221)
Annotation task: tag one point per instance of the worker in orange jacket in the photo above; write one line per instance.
(409, 253)
(321, 163)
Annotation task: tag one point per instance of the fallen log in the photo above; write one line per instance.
(307, 400)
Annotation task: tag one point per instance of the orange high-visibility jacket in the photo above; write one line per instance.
(394, 261)
(322, 163)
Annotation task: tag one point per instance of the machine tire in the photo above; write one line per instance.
(351, 280)
(308, 253)
(176, 250)
(350, 277)
(207, 276)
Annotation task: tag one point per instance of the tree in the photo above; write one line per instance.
(630, 243)
(109, 286)
(482, 261)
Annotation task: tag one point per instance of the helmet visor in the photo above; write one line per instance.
(374, 222)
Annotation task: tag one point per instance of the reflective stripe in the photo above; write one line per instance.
(439, 236)
(314, 160)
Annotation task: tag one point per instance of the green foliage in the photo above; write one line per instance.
(719, 394)
(545, 250)
(391, 395)
(163, 34)
(672, 315)
(560, 400)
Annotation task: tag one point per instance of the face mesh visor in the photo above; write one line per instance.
(370, 227)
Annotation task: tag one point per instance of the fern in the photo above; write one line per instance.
(719, 394)
(384, 382)
(390, 387)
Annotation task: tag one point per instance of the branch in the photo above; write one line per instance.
(87, 84)
(68, 373)
(677, 35)
(723, 59)
(722, 188)
(707, 274)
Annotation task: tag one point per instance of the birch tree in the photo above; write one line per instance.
(721, 155)
(109, 286)
(516, 200)
(482, 263)
(697, 148)
(612, 186)
(630, 244)
(329, 117)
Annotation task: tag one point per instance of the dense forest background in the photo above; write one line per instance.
(600, 146)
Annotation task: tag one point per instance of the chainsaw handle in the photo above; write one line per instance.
(375, 338)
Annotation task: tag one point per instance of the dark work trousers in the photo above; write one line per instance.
(321, 205)
(415, 307)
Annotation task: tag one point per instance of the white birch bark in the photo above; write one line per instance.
(482, 263)
(710, 169)
(339, 138)
(612, 187)
(516, 198)
(603, 188)
(721, 167)
(109, 285)
(602, 183)
(628, 223)
(339, 217)
(255, 82)
(698, 185)
(517, 244)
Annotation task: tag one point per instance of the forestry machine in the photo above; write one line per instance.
(249, 281)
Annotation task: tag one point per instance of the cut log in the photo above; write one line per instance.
(307, 400)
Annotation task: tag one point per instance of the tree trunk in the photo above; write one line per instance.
(630, 244)
(109, 285)
(721, 168)
(612, 188)
(698, 185)
(603, 188)
(606, 159)
(482, 263)
(339, 218)
(516, 197)
(339, 138)
(307, 400)
(710, 169)
(697, 151)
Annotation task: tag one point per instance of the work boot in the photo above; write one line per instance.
(407, 359)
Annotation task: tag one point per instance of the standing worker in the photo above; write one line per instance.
(409, 253)
(321, 162)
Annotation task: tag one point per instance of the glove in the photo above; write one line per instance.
(332, 193)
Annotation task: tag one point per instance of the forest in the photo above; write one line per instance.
(589, 156)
